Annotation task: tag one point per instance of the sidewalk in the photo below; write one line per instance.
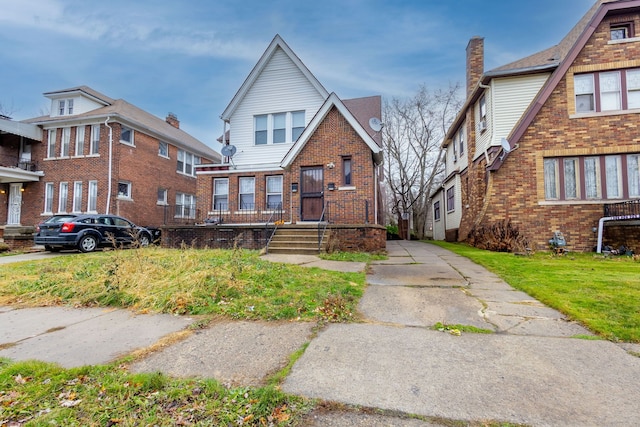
(530, 370)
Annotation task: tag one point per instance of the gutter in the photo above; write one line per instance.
(109, 175)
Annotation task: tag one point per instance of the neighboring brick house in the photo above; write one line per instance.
(300, 153)
(97, 154)
(548, 142)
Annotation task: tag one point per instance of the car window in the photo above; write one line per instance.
(120, 222)
(85, 221)
(104, 220)
(59, 218)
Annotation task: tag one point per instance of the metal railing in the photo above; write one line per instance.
(17, 162)
(629, 209)
(247, 213)
(272, 223)
(180, 214)
(322, 224)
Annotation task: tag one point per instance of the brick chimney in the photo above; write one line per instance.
(172, 119)
(475, 62)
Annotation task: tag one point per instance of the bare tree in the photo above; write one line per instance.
(413, 132)
(5, 110)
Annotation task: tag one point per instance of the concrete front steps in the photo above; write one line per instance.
(298, 239)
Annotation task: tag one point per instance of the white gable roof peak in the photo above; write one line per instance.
(276, 43)
(331, 101)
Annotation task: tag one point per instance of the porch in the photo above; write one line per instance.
(618, 217)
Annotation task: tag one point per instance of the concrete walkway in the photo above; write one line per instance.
(531, 370)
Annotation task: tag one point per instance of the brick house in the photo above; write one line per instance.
(297, 154)
(96, 154)
(551, 142)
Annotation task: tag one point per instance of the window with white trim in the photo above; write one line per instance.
(482, 123)
(70, 106)
(79, 140)
(66, 142)
(185, 205)
(274, 192)
(186, 161)
(162, 196)
(51, 144)
(94, 145)
(77, 197)
(278, 128)
(221, 194)
(63, 195)
(124, 190)
(585, 92)
(61, 105)
(92, 200)
(246, 186)
(48, 198)
(451, 199)
(436, 211)
(163, 149)
(126, 135)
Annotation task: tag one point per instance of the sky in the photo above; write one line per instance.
(189, 57)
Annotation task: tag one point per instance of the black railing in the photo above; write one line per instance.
(181, 214)
(245, 213)
(629, 208)
(322, 224)
(349, 211)
(272, 224)
(17, 162)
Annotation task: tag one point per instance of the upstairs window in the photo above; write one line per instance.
(66, 142)
(610, 93)
(621, 31)
(482, 107)
(65, 107)
(124, 189)
(51, 145)
(163, 149)
(185, 163)
(616, 90)
(585, 93)
(436, 211)
(69, 106)
(451, 199)
(95, 139)
(61, 104)
(126, 135)
(278, 128)
(79, 140)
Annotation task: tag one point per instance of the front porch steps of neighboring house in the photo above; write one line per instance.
(298, 239)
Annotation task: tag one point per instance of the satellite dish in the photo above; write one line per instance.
(375, 124)
(505, 145)
(228, 150)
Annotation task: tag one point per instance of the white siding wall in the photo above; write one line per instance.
(454, 217)
(281, 87)
(80, 105)
(507, 100)
(457, 162)
(438, 226)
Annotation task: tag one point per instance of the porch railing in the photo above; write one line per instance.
(272, 224)
(17, 162)
(629, 208)
(181, 214)
(322, 224)
(246, 213)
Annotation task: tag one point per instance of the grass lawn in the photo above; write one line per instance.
(233, 283)
(602, 293)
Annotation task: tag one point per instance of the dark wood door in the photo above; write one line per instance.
(311, 193)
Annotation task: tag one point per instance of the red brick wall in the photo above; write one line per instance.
(516, 190)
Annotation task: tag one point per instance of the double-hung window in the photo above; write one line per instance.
(162, 196)
(61, 104)
(278, 128)
(436, 211)
(79, 140)
(585, 93)
(63, 196)
(297, 125)
(246, 193)
(551, 182)
(221, 194)
(186, 161)
(69, 106)
(92, 200)
(482, 124)
(571, 180)
(633, 174)
(451, 199)
(185, 205)
(610, 91)
(592, 178)
(48, 197)
(66, 142)
(163, 149)
(613, 176)
(94, 145)
(124, 190)
(274, 192)
(607, 91)
(51, 144)
(77, 197)
(633, 88)
(261, 129)
(346, 170)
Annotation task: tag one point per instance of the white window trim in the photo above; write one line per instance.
(213, 207)
(267, 194)
(92, 141)
(48, 198)
(129, 190)
(51, 143)
(91, 197)
(240, 194)
(63, 197)
(65, 143)
(80, 137)
(166, 144)
(165, 200)
(270, 127)
(131, 143)
(77, 197)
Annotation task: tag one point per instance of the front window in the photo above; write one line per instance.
(261, 130)
(79, 140)
(551, 179)
(124, 189)
(592, 177)
(584, 89)
(274, 192)
(163, 149)
(95, 139)
(633, 174)
(48, 197)
(162, 196)
(297, 125)
(77, 196)
(66, 141)
(436, 211)
(185, 205)
(451, 201)
(247, 193)
(571, 178)
(126, 135)
(613, 178)
(346, 170)
(51, 144)
(633, 88)
(621, 31)
(221, 194)
(92, 203)
(63, 196)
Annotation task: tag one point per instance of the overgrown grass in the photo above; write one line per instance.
(38, 393)
(602, 293)
(234, 283)
(353, 256)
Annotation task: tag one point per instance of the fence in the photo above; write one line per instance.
(630, 208)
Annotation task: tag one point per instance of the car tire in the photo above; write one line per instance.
(144, 240)
(88, 243)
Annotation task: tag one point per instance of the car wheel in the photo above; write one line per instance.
(144, 240)
(51, 248)
(88, 243)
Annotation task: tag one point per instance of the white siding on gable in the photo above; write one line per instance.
(281, 87)
(507, 100)
(80, 105)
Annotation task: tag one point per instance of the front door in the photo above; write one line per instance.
(311, 193)
(15, 204)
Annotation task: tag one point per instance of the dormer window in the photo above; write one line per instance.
(621, 31)
(61, 104)
(65, 107)
(278, 128)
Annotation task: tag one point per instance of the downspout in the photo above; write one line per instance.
(375, 194)
(109, 177)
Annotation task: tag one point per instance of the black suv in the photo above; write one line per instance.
(88, 232)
